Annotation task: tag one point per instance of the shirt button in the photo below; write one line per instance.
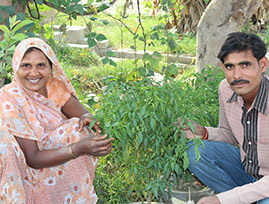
(249, 143)
(248, 122)
(250, 161)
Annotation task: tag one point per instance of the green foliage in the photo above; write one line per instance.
(201, 96)
(75, 7)
(10, 10)
(12, 37)
(266, 37)
(140, 115)
(187, 44)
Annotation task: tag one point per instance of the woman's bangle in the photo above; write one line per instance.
(206, 134)
(70, 151)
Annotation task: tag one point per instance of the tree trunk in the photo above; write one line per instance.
(219, 19)
(18, 6)
(187, 19)
(4, 3)
(260, 20)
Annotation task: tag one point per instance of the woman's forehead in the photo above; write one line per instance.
(29, 44)
(34, 55)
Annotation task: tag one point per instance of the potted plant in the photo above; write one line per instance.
(140, 115)
(201, 100)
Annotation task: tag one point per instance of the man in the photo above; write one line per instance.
(238, 175)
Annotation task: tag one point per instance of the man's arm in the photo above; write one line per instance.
(209, 200)
(248, 193)
(223, 132)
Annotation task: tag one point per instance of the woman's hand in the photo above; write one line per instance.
(199, 131)
(95, 146)
(73, 108)
(86, 119)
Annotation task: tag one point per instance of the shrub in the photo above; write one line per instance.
(147, 149)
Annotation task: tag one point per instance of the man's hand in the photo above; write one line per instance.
(199, 131)
(209, 200)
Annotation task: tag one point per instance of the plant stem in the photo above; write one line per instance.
(140, 23)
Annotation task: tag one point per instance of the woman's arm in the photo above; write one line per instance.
(96, 146)
(73, 108)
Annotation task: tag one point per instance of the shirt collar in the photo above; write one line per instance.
(260, 102)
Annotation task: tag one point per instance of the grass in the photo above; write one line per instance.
(89, 78)
(120, 37)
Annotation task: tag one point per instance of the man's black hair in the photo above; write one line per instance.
(239, 41)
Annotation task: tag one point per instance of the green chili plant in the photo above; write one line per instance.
(140, 115)
(147, 150)
(201, 96)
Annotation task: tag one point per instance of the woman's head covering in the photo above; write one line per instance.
(57, 70)
(36, 115)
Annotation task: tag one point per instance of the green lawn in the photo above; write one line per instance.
(121, 35)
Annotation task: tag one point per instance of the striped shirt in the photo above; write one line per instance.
(250, 130)
(249, 122)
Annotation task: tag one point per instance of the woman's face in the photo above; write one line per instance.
(34, 71)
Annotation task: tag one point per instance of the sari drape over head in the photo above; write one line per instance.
(32, 116)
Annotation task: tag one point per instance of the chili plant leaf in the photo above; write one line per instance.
(139, 139)
(190, 124)
(92, 124)
(186, 161)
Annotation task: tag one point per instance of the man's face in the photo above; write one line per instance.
(244, 73)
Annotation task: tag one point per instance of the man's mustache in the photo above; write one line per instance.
(239, 81)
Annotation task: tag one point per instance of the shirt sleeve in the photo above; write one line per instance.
(58, 92)
(248, 193)
(223, 132)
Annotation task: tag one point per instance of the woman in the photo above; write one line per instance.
(47, 154)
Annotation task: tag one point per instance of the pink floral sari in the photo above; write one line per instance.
(32, 116)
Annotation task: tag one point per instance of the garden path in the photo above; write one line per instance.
(75, 37)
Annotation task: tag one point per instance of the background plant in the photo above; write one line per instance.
(11, 37)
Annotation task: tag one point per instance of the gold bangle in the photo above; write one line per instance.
(70, 151)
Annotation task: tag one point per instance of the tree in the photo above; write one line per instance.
(212, 20)
(219, 19)
(186, 14)
(71, 7)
